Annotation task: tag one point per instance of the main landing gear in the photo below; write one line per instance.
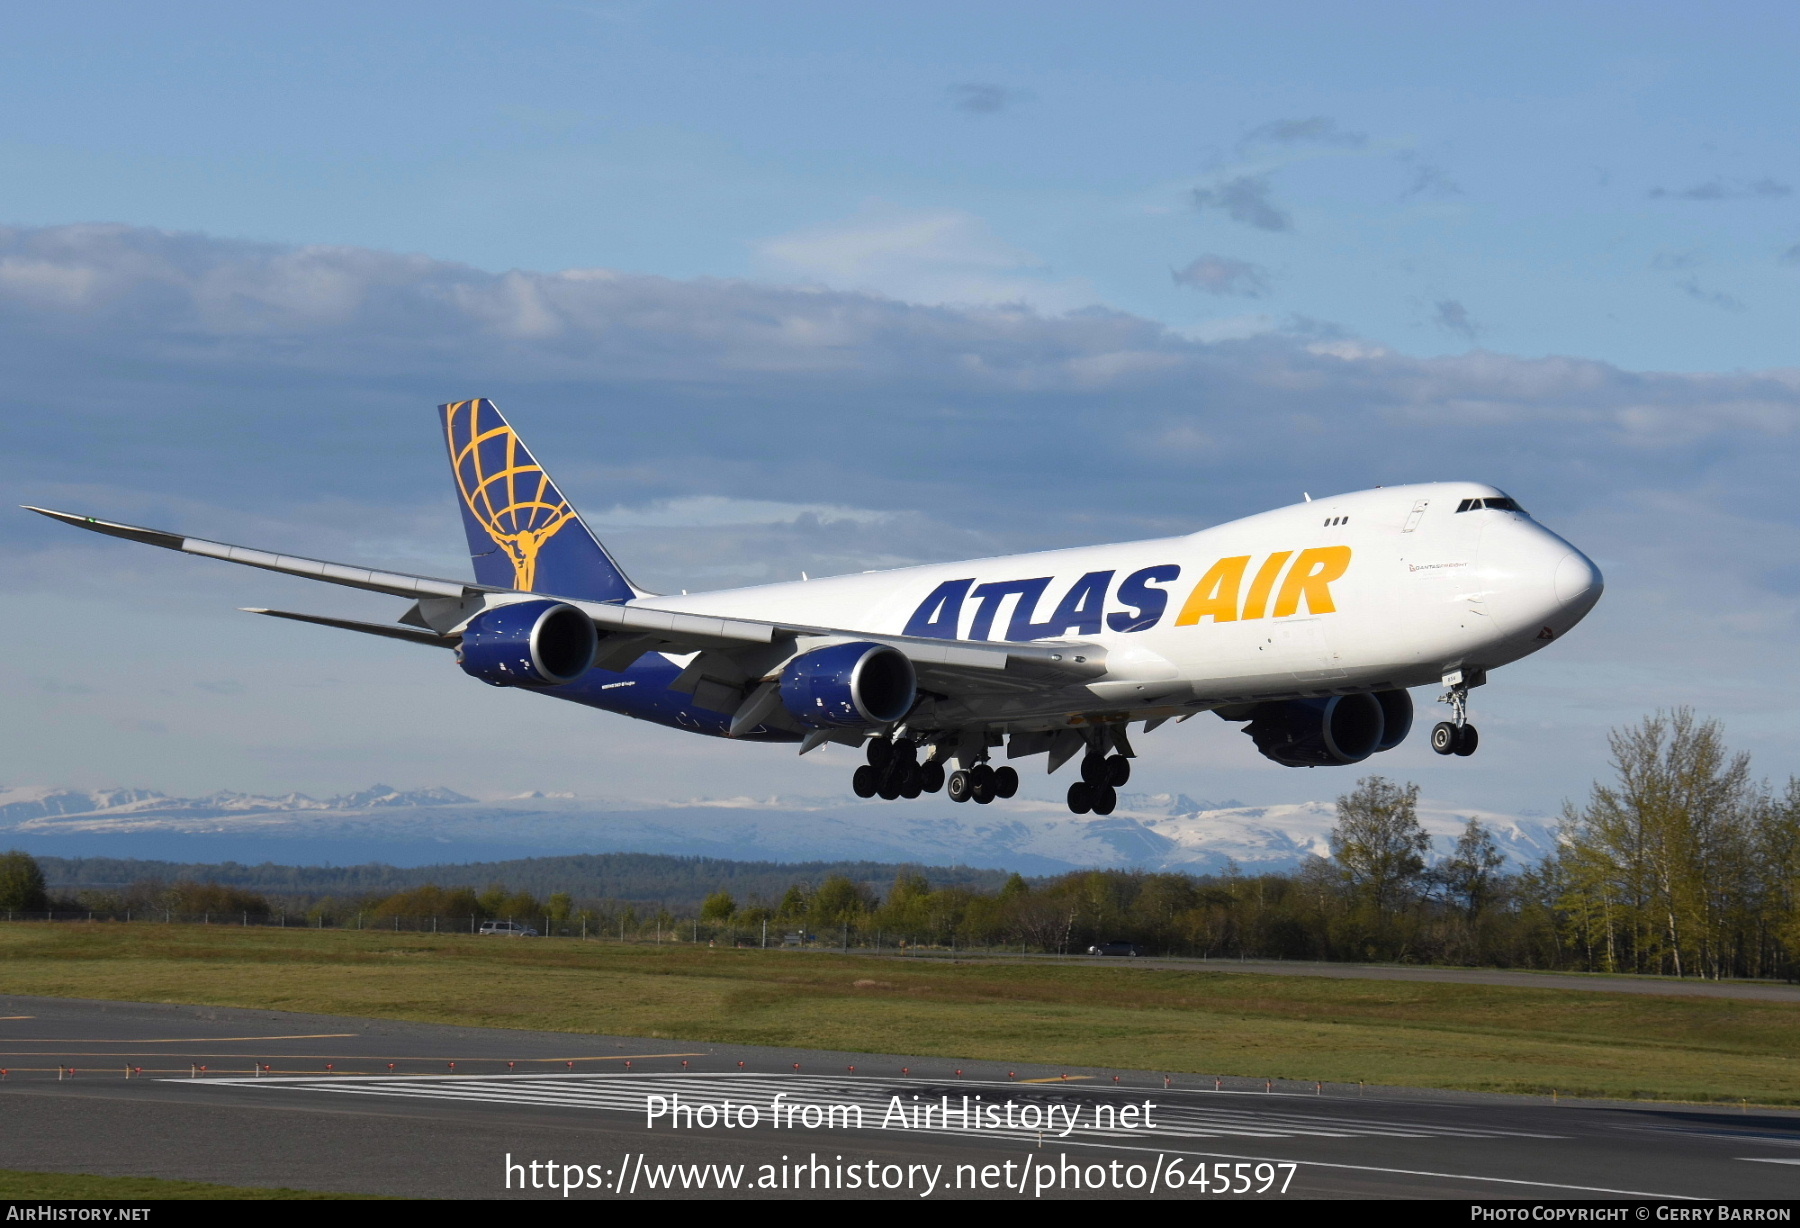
(894, 771)
(1098, 789)
(1455, 736)
(957, 763)
(982, 783)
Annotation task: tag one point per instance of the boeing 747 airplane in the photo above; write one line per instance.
(1305, 625)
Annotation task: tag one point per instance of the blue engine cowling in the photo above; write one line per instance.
(1396, 718)
(528, 643)
(849, 684)
(1336, 729)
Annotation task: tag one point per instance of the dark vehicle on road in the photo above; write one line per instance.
(1115, 947)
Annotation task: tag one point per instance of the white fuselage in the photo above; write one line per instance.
(1373, 590)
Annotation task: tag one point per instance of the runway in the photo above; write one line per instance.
(1659, 986)
(268, 1099)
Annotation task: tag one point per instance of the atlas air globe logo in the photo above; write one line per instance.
(1285, 582)
(504, 490)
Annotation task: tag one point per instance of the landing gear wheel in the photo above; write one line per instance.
(1467, 740)
(866, 781)
(1094, 770)
(1103, 798)
(890, 788)
(1079, 801)
(880, 752)
(958, 786)
(1006, 782)
(1444, 738)
(1118, 771)
(981, 775)
(905, 751)
(981, 792)
(931, 777)
(910, 784)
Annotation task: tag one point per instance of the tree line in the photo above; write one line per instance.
(680, 882)
(1680, 864)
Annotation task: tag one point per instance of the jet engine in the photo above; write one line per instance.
(1336, 729)
(528, 643)
(1396, 718)
(849, 684)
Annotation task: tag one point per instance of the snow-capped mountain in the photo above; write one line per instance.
(1148, 831)
(23, 806)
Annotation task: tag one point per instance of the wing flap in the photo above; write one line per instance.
(682, 632)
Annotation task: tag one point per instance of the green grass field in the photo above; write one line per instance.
(1474, 1037)
(80, 1187)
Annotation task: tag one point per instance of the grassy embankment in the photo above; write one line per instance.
(1475, 1037)
(80, 1187)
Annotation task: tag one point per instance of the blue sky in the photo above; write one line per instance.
(1610, 181)
(824, 287)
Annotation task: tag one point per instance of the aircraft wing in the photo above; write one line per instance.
(398, 584)
(961, 668)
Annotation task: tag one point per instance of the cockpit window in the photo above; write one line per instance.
(1501, 504)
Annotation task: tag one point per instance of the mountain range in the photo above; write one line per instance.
(419, 826)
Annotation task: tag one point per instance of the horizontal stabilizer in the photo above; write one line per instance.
(392, 631)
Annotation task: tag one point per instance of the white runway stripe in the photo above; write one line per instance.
(1182, 1115)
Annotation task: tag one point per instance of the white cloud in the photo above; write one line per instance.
(922, 256)
(715, 511)
(1223, 275)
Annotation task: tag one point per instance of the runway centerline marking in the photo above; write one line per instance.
(1759, 1138)
(175, 1040)
(1370, 1168)
(361, 1057)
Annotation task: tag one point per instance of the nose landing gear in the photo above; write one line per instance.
(1456, 736)
(1447, 739)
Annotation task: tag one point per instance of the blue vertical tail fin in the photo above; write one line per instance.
(522, 533)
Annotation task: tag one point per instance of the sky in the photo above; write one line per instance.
(785, 287)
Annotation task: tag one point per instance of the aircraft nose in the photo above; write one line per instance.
(1534, 579)
(1577, 580)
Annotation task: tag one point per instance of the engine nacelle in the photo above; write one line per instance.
(529, 643)
(1316, 732)
(1396, 718)
(849, 684)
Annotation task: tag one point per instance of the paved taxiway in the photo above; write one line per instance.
(1662, 986)
(269, 1098)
